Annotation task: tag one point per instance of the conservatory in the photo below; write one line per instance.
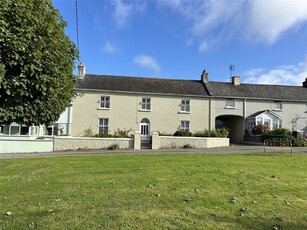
(266, 117)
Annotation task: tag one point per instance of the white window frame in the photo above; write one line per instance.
(146, 104)
(277, 106)
(230, 103)
(185, 106)
(104, 102)
(103, 124)
(185, 125)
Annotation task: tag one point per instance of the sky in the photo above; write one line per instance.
(265, 40)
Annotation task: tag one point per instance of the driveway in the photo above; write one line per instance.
(239, 149)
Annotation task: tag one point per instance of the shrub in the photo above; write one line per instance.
(213, 133)
(299, 143)
(182, 133)
(122, 133)
(88, 132)
(277, 133)
(260, 129)
(165, 134)
(103, 135)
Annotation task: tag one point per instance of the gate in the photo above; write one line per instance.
(145, 134)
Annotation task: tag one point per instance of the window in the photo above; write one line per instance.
(277, 105)
(145, 105)
(104, 102)
(185, 105)
(103, 126)
(267, 122)
(185, 126)
(230, 103)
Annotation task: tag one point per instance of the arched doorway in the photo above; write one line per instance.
(235, 125)
(145, 133)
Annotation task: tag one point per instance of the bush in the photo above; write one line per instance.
(103, 135)
(181, 133)
(260, 129)
(277, 133)
(299, 143)
(122, 133)
(165, 134)
(213, 133)
(88, 132)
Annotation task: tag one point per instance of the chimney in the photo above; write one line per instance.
(81, 70)
(235, 80)
(305, 83)
(204, 76)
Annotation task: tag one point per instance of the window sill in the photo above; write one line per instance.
(103, 109)
(277, 110)
(229, 107)
(144, 110)
(185, 112)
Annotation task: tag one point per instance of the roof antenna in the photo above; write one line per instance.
(231, 70)
(77, 28)
(81, 66)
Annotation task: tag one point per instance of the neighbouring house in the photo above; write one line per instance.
(105, 103)
(60, 127)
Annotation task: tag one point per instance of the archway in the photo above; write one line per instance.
(235, 125)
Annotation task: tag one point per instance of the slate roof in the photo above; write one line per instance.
(190, 87)
(141, 85)
(276, 92)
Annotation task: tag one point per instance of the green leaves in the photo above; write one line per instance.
(36, 62)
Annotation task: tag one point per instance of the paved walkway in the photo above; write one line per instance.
(239, 149)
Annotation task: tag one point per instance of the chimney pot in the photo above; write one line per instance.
(204, 76)
(236, 80)
(81, 70)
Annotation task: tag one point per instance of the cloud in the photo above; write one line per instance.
(122, 10)
(147, 61)
(268, 20)
(203, 46)
(281, 75)
(220, 21)
(109, 48)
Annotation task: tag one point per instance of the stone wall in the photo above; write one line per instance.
(167, 142)
(74, 143)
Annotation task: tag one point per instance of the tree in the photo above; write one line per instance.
(36, 62)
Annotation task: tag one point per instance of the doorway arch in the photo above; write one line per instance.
(145, 133)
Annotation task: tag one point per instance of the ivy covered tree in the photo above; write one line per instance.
(36, 62)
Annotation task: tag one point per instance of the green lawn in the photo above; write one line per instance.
(184, 191)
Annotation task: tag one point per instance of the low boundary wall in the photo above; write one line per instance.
(75, 143)
(167, 142)
(15, 144)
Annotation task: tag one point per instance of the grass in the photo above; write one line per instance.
(155, 192)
